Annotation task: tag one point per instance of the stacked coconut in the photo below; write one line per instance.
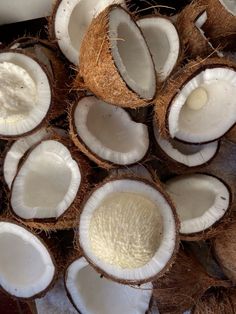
(118, 160)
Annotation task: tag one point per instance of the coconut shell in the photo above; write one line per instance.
(231, 135)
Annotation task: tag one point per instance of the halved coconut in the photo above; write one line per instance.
(92, 294)
(27, 269)
(70, 21)
(115, 63)
(201, 201)
(107, 134)
(128, 230)
(163, 41)
(191, 107)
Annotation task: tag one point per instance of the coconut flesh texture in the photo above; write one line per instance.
(229, 5)
(109, 132)
(26, 267)
(130, 53)
(201, 200)
(127, 229)
(92, 294)
(163, 41)
(205, 108)
(72, 19)
(47, 183)
(25, 94)
(186, 154)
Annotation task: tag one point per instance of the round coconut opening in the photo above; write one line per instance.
(25, 94)
(201, 200)
(26, 267)
(92, 294)
(109, 132)
(130, 53)
(127, 229)
(229, 5)
(47, 182)
(163, 41)
(195, 114)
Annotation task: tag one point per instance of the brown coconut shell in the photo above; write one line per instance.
(98, 72)
(10, 306)
(231, 135)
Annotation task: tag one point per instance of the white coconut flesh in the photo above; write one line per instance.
(26, 267)
(186, 154)
(95, 295)
(205, 108)
(109, 132)
(201, 200)
(131, 54)
(72, 19)
(229, 5)
(47, 183)
(136, 170)
(25, 94)
(163, 41)
(127, 229)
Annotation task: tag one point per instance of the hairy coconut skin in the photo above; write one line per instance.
(98, 72)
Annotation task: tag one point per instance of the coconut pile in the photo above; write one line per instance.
(118, 159)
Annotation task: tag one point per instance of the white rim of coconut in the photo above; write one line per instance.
(201, 200)
(195, 114)
(92, 294)
(186, 154)
(229, 5)
(25, 93)
(27, 268)
(129, 49)
(135, 240)
(163, 41)
(71, 21)
(47, 182)
(109, 132)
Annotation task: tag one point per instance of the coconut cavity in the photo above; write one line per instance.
(47, 182)
(92, 294)
(26, 267)
(201, 200)
(109, 132)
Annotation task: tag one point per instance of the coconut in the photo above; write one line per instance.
(115, 63)
(191, 106)
(107, 134)
(15, 306)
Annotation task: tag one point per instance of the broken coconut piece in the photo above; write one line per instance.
(201, 201)
(128, 230)
(191, 107)
(163, 41)
(92, 294)
(27, 268)
(107, 134)
(115, 63)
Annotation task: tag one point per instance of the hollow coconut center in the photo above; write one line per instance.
(109, 132)
(200, 200)
(230, 6)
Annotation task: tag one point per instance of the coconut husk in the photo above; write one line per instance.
(231, 135)
(10, 306)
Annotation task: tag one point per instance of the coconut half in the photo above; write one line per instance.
(107, 134)
(92, 294)
(128, 230)
(201, 201)
(163, 41)
(26, 266)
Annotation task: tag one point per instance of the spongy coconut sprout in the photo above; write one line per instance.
(92, 294)
(127, 230)
(115, 62)
(201, 201)
(193, 104)
(107, 134)
(27, 269)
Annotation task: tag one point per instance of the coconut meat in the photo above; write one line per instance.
(131, 54)
(195, 114)
(201, 200)
(26, 267)
(229, 5)
(127, 229)
(25, 94)
(92, 294)
(163, 41)
(109, 132)
(47, 183)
